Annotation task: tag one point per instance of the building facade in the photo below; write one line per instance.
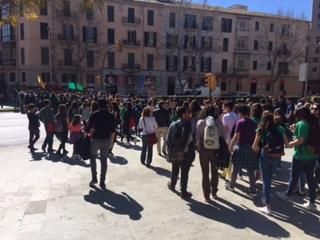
(154, 47)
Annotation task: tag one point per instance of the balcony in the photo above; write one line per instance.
(172, 68)
(131, 21)
(62, 62)
(127, 43)
(67, 14)
(189, 68)
(62, 37)
(131, 67)
(241, 71)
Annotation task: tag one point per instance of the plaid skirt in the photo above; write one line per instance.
(245, 157)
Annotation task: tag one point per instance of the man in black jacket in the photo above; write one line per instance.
(102, 126)
(163, 120)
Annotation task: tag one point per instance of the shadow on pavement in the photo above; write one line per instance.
(129, 146)
(121, 204)
(118, 160)
(238, 217)
(160, 171)
(39, 156)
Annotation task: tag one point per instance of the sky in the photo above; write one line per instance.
(298, 7)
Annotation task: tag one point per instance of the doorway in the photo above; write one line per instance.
(171, 85)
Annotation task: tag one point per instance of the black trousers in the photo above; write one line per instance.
(184, 166)
(146, 151)
(34, 135)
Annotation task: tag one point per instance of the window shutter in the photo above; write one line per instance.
(84, 34)
(154, 39)
(95, 35)
(145, 39)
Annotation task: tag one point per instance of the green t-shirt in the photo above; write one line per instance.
(280, 129)
(301, 152)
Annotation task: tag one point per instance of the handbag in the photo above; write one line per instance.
(151, 138)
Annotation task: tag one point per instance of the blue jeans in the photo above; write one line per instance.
(299, 166)
(146, 151)
(268, 167)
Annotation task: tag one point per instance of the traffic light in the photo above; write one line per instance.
(119, 46)
(211, 81)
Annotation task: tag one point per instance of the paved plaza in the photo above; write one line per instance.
(43, 197)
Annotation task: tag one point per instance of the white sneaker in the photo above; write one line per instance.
(266, 210)
(263, 200)
(310, 206)
(283, 196)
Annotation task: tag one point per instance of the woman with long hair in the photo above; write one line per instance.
(62, 129)
(148, 125)
(304, 160)
(269, 143)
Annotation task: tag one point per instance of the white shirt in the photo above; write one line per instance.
(148, 125)
(229, 120)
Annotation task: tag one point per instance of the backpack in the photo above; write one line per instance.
(314, 139)
(273, 143)
(211, 134)
(181, 139)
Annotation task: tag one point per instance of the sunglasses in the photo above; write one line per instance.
(314, 108)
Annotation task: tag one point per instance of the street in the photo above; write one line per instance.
(44, 197)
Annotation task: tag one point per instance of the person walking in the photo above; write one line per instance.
(162, 117)
(61, 129)
(148, 125)
(243, 156)
(209, 130)
(47, 117)
(269, 144)
(102, 128)
(304, 159)
(179, 154)
(34, 125)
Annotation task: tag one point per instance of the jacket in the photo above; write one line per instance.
(162, 117)
(102, 123)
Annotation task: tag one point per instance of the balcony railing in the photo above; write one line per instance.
(67, 13)
(62, 37)
(131, 66)
(130, 43)
(62, 62)
(135, 21)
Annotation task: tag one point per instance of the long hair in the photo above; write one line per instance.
(208, 111)
(267, 122)
(76, 120)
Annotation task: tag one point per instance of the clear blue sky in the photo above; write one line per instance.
(299, 7)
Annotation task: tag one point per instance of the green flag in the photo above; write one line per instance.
(79, 87)
(72, 86)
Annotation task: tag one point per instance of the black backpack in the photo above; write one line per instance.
(273, 143)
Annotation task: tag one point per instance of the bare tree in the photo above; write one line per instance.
(284, 44)
(187, 39)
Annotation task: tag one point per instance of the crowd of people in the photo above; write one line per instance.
(232, 137)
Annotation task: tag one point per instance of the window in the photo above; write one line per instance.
(89, 13)
(111, 60)
(270, 46)
(89, 34)
(110, 13)
(111, 36)
(150, 61)
(131, 60)
(7, 33)
(171, 63)
(271, 28)
(68, 77)
(189, 63)
(242, 63)
(22, 31)
(172, 40)
(23, 77)
(67, 32)
(132, 37)
(225, 46)
(267, 86)
(150, 39)
(223, 86)
(22, 56)
(242, 43)
(226, 25)
(206, 63)
(190, 21)
(283, 68)
(315, 59)
(90, 58)
(90, 78)
(255, 45)
(238, 86)
(44, 33)
(206, 43)
(281, 85)
(12, 77)
(130, 15)
(45, 76)
(207, 23)
(44, 8)
(190, 42)
(45, 56)
(150, 17)
(257, 26)
(243, 24)
(172, 20)
(269, 66)
(254, 65)
(285, 30)
(224, 67)
(67, 57)
(317, 50)
(66, 8)
(314, 69)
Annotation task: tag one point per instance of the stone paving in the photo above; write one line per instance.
(44, 197)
